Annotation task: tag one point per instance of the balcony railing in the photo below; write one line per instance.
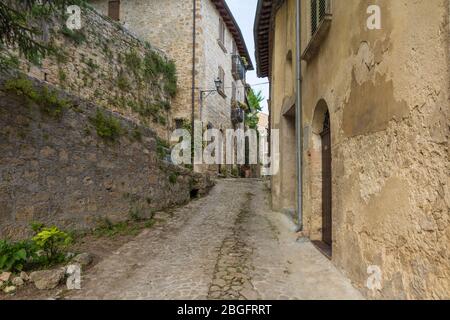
(238, 68)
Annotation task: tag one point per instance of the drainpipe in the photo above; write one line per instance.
(298, 119)
(194, 40)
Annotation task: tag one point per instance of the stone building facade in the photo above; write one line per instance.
(381, 97)
(169, 25)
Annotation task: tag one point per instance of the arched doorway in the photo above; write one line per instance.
(321, 220)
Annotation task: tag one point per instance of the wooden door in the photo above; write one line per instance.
(326, 183)
(114, 10)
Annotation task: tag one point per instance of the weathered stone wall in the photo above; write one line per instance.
(106, 64)
(59, 167)
(166, 24)
(388, 95)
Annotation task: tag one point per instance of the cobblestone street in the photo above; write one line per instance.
(228, 245)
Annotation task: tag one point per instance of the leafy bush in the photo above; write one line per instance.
(106, 126)
(76, 36)
(15, 256)
(173, 177)
(106, 228)
(52, 241)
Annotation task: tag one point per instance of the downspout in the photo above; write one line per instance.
(299, 118)
(194, 40)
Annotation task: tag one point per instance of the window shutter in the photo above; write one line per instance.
(222, 31)
(114, 10)
(222, 78)
(233, 91)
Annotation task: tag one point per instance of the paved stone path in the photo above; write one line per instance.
(228, 245)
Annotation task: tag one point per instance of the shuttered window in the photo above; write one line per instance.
(222, 78)
(319, 8)
(222, 29)
(233, 91)
(114, 10)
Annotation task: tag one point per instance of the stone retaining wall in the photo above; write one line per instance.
(105, 63)
(56, 169)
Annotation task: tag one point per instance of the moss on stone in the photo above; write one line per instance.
(46, 99)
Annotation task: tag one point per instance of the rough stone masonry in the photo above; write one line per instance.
(61, 168)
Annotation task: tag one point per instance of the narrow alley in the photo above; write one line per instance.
(228, 245)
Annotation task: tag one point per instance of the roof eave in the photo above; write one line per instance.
(233, 26)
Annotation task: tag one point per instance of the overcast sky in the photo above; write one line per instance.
(244, 13)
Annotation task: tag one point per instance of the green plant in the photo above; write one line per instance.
(135, 214)
(76, 36)
(52, 241)
(170, 73)
(155, 65)
(62, 76)
(150, 223)
(106, 126)
(15, 256)
(106, 228)
(122, 82)
(48, 100)
(37, 227)
(252, 117)
(21, 87)
(51, 104)
(162, 148)
(137, 134)
(173, 177)
(133, 61)
(92, 65)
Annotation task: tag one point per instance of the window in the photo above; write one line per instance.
(233, 91)
(221, 40)
(179, 123)
(222, 78)
(320, 18)
(319, 8)
(237, 67)
(114, 10)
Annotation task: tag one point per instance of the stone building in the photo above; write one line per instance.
(220, 52)
(375, 134)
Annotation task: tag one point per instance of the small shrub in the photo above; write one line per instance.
(21, 87)
(173, 177)
(106, 126)
(52, 241)
(170, 73)
(149, 224)
(137, 134)
(106, 228)
(133, 62)
(15, 256)
(51, 104)
(76, 36)
(136, 215)
(92, 65)
(62, 76)
(122, 82)
(155, 65)
(162, 148)
(48, 100)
